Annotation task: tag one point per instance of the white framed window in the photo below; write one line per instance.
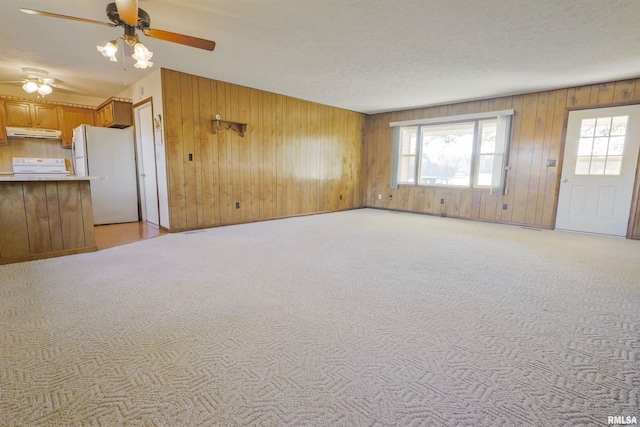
(458, 151)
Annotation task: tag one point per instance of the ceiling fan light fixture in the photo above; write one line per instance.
(142, 64)
(109, 50)
(44, 89)
(142, 55)
(30, 86)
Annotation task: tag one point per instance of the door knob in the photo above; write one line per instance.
(565, 180)
(143, 175)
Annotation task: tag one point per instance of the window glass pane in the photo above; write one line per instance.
(616, 145)
(600, 146)
(407, 169)
(588, 127)
(488, 131)
(582, 165)
(446, 154)
(614, 165)
(485, 170)
(584, 146)
(597, 165)
(408, 139)
(619, 125)
(603, 126)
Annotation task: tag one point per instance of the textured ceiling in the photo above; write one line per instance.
(362, 55)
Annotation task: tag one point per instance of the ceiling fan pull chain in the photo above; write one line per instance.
(124, 60)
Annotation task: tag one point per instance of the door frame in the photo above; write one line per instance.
(139, 157)
(633, 225)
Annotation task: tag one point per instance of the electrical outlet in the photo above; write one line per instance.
(442, 201)
(237, 205)
(551, 163)
(505, 207)
(190, 157)
(390, 196)
(379, 196)
(341, 197)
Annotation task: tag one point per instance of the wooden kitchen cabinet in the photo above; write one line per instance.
(31, 115)
(115, 113)
(72, 117)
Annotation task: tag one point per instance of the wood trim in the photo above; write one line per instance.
(44, 101)
(144, 101)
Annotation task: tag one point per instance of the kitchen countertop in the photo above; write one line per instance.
(24, 178)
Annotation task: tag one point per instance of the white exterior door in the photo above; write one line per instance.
(147, 164)
(599, 168)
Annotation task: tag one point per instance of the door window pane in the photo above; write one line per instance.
(597, 166)
(603, 126)
(584, 146)
(601, 146)
(582, 165)
(619, 125)
(587, 128)
(614, 165)
(616, 146)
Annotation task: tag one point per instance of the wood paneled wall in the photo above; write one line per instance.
(297, 157)
(41, 219)
(539, 127)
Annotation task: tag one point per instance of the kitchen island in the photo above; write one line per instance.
(44, 217)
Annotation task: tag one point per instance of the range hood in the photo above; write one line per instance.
(14, 132)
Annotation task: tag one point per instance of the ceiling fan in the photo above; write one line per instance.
(37, 80)
(126, 14)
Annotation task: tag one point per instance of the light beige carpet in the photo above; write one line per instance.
(355, 318)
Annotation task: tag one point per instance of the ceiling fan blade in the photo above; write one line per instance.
(180, 38)
(128, 11)
(66, 88)
(72, 18)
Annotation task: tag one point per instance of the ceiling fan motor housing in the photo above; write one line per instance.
(144, 22)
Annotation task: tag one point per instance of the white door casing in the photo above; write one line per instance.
(147, 163)
(598, 171)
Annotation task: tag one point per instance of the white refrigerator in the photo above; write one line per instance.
(110, 155)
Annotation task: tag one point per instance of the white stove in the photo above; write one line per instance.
(39, 166)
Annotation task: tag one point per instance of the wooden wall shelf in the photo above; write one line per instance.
(241, 128)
